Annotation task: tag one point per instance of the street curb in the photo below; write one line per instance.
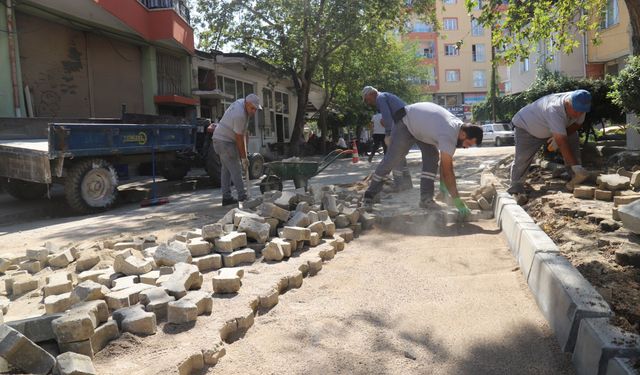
(567, 300)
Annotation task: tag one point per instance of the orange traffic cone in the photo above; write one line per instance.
(355, 157)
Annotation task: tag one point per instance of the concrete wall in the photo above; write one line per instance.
(615, 41)
(72, 73)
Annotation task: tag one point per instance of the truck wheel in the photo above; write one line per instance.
(91, 186)
(24, 190)
(213, 166)
(174, 170)
(256, 166)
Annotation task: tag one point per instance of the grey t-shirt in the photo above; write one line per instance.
(545, 116)
(432, 124)
(234, 121)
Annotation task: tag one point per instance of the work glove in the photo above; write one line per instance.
(552, 145)
(443, 189)
(387, 140)
(579, 175)
(463, 210)
(245, 167)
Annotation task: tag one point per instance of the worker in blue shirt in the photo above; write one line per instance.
(392, 109)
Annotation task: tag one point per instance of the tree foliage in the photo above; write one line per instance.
(626, 86)
(301, 36)
(519, 25)
(602, 108)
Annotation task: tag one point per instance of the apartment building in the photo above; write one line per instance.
(458, 56)
(89, 58)
(592, 60)
(609, 56)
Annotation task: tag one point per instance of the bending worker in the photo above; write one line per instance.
(434, 129)
(229, 143)
(392, 110)
(554, 118)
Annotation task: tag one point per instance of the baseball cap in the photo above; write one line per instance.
(367, 90)
(254, 99)
(581, 100)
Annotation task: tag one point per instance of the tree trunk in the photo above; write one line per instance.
(298, 126)
(634, 17)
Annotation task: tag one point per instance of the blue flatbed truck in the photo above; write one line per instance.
(89, 157)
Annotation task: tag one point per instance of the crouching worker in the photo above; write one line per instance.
(437, 132)
(554, 118)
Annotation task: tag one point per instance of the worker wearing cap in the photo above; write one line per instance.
(392, 110)
(229, 143)
(554, 118)
(437, 132)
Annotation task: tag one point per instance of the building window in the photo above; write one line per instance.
(238, 90)
(479, 78)
(451, 100)
(421, 27)
(267, 115)
(428, 50)
(478, 53)
(476, 28)
(524, 65)
(282, 116)
(452, 75)
(448, 2)
(611, 16)
(450, 24)
(451, 50)
(478, 5)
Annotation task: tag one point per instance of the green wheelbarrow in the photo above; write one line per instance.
(298, 171)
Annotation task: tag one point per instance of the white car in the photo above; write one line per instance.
(498, 134)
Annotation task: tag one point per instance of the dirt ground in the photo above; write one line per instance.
(587, 236)
(419, 304)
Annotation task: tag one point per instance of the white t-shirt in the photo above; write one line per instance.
(234, 121)
(342, 143)
(377, 124)
(432, 124)
(545, 116)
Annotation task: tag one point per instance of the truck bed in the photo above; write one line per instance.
(38, 146)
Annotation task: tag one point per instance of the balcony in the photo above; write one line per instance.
(179, 6)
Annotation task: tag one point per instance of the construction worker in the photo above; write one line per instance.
(392, 109)
(553, 119)
(229, 143)
(437, 132)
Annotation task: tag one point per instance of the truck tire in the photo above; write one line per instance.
(91, 186)
(213, 166)
(24, 190)
(174, 170)
(256, 166)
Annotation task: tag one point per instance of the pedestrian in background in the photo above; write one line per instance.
(378, 135)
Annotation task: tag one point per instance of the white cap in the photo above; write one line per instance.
(368, 90)
(254, 99)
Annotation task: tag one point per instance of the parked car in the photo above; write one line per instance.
(498, 134)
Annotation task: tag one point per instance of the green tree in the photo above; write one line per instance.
(626, 86)
(518, 25)
(299, 36)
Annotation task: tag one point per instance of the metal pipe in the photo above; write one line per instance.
(12, 60)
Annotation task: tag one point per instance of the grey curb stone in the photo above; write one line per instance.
(509, 221)
(620, 366)
(502, 199)
(530, 243)
(598, 342)
(564, 296)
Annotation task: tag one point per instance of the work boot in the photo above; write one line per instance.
(229, 201)
(429, 204)
(369, 200)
